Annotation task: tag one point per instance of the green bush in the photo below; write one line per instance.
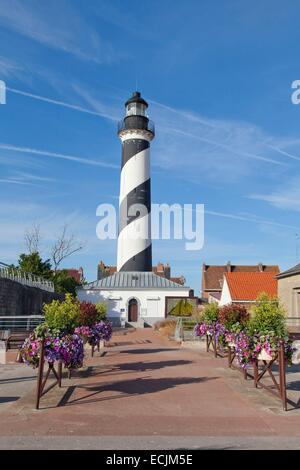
(267, 317)
(210, 313)
(101, 311)
(62, 316)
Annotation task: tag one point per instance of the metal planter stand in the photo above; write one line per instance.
(280, 388)
(231, 357)
(93, 348)
(41, 380)
(211, 342)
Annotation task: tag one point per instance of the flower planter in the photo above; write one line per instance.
(264, 356)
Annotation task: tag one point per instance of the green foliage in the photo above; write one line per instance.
(63, 283)
(267, 317)
(183, 308)
(101, 311)
(34, 264)
(62, 316)
(41, 331)
(210, 313)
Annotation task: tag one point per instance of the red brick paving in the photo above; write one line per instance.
(146, 385)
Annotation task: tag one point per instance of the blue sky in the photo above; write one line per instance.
(217, 76)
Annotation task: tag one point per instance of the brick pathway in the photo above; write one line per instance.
(145, 385)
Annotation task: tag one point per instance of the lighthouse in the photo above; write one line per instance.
(134, 237)
(134, 294)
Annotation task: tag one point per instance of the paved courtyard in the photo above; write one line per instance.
(146, 392)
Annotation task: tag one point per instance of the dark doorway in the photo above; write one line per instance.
(133, 310)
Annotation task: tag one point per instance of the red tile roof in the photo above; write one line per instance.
(178, 280)
(247, 286)
(212, 275)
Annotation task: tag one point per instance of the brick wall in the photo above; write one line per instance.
(16, 299)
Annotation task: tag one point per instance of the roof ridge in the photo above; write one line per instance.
(145, 279)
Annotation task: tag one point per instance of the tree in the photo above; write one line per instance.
(34, 264)
(64, 247)
(268, 316)
(64, 283)
(32, 239)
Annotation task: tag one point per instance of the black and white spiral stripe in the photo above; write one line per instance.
(134, 240)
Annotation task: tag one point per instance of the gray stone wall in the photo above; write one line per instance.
(17, 299)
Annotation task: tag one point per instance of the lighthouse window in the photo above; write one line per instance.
(137, 109)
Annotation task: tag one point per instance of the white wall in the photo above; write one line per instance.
(151, 303)
(225, 295)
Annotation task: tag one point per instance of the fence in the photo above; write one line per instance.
(26, 279)
(24, 323)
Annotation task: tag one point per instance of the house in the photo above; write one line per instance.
(289, 291)
(136, 297)
(163, 270)
(212, 276)
(245, 287)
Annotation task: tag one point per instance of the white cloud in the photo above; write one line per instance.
(253, 219)
(107, 111)
(287, 197)
(196, 145)
(56, 24)
(85, 161)
(56, 102)
(13, 181)
(191, 145)
(8, 68)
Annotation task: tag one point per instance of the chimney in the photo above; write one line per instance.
(100, 270)
(160, 267)
(167, 271)
(228, 266)
(260, 267)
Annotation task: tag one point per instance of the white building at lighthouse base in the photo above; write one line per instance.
(138, 298)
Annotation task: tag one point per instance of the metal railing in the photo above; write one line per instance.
(24, 322)
(27, 279)
(132, 123)
(184, 329)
